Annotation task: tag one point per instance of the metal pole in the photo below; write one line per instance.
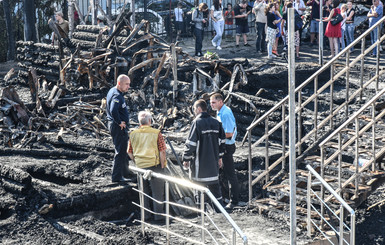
(341, 242)
(141, 200)
(202, 216)
(292, 154)
(267, 149)
(167, 191)
(320, 35)
(308, 205)
(250, 169)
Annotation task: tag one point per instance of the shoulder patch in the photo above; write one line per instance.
(116, 100)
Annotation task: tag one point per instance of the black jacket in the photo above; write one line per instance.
(204, 146)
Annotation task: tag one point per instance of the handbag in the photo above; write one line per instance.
(337, 19)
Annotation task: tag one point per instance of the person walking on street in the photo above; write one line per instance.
(219, 23)
(118, 121)
(200, 21)
(229, 20)
(374, 15)
(204, 150)
(260, 21)
(226, 116)
(242, 26)
(148, 151)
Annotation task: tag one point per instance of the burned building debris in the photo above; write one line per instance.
(54, 111)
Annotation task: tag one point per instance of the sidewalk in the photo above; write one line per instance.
(229, 51)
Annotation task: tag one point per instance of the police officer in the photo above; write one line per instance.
(117, 116)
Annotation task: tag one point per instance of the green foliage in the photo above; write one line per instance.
(211, 55)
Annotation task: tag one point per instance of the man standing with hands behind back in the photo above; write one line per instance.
(226, 116)
(117, 116)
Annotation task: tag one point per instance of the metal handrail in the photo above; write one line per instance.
(190, 185)
(343, 206)
(313, 134)
(353, 117)
(326, 160)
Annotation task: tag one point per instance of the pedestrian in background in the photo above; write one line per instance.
(229, 20)
(278, 16)
(204, 150)
(226, 117)
(343, 26)
(333, 32)
(349, 33)
(200, 21)
(178, 12)
(148, 151)
(272, 29)
(314, 21)
(260, 22)
(242, 26)
(118, 122)
(300, 6)
(374, 15)
(218, 21)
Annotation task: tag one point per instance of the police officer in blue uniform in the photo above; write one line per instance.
(118, 122)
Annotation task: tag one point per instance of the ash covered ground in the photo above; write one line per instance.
(73, 173)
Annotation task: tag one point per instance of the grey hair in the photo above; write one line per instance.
(59, 13)
(144, 117)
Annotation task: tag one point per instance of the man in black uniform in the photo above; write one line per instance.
(204, 149)
(117, 115)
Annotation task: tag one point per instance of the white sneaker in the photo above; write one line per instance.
(219, 48)
(214, 44)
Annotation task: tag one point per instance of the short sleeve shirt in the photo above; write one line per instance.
(178, 14)
(226, 116)
(237, 11)
(379, 11)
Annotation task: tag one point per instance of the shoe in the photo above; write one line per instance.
(219, 48)
(297, 58)
(122, 180)
(214, 44)
(373, 55)
(237, 45)
(200, 54)
(230, 206)
(284, 48)
(276, 53)
(246, 45)
(259, 52)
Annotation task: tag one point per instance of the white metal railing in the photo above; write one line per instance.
(313, 208)
(201, 210)
(323, 122)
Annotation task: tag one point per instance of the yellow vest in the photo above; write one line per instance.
(144, 141)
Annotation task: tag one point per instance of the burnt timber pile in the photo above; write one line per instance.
(54, 110)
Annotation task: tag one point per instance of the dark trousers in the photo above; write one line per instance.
(154, 188)
(120, 140)
(229, 172)
(198, 40)
(261, 37)
(215, 189)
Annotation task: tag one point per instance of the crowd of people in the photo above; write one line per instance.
(209, 147)
(271, 23)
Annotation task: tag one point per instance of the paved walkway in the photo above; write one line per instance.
(230, 51)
